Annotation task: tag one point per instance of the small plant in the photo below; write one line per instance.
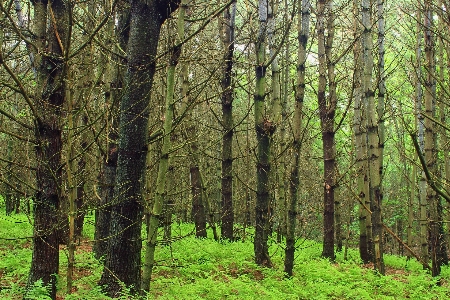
(38, 292)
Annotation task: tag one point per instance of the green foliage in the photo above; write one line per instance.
(38, 292)
(191, 268)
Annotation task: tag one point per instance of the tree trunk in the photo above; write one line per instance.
(445, 173)
(198, 208)
(114, 80)
(50, 99)
(227, 122)
(327, 109)
(372, 138)
(421, 139)
(359, 129)
(264, 131)
(436, 241)
(303, 35)
(283, 187)
(161, 192)
(445, 138)
(123, 260)
(338, 221)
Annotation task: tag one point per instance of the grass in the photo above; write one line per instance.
(204, 269)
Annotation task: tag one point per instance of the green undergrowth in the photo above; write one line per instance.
(190, 268)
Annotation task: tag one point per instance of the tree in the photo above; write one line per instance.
(373, 153)
(365, 222)
(47, 110)
(229, 18)
(421, 138)
(160, 194)
(265, 125)
(123, 258)
(327, 112)
(114, 81)
(435, 240)
(303, 34)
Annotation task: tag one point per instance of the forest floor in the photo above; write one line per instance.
(191, 268)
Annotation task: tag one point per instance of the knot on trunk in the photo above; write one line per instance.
(267, 127)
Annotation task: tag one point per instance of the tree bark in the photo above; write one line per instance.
(114, 80)
(264, 131)
(227, 122)
(372, 137)
(327, 110)
(50, 99)
(303, 35)
(359, 130)
(436, 240)
(45, 258)
(123, 260)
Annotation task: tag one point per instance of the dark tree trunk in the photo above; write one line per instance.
(292, 209)
(123, 259)
(364, 247)
(328, 190)
(107, 177)
(103, 213)
(198, 209)
(261, 248)
(441, 249)
(12, 201)
(79, 201)
(338, 225)
(48, 128)
(227, 170)
(227, 122)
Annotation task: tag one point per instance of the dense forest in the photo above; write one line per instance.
(271, 122)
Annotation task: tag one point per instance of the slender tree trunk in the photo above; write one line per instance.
(264, 131)
(161, 191)
(169, 203)
(198, 207)
(412, 198)
(359, 129)
(445, 139)
(435, 229)
(283, 187)
(421, 138)
(327, 110)
(9, 196)
(381, 82)
(377, 180)
(303, 35)
(123, 260)
(71, 182)
(338, 220)
(372, 138)
(444, 142)
(275, 113)
(227, 122)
